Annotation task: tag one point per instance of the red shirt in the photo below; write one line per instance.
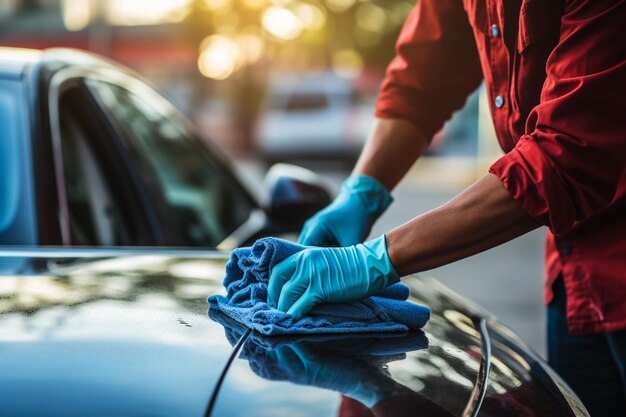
(555, 72)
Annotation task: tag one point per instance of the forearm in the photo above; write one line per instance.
(480, 218)
(391, 149)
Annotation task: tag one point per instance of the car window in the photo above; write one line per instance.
(205, 203)
(95, 214)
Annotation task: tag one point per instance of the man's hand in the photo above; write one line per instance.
(318, 275)
(347, 220)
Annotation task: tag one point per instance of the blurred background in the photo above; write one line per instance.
(296, 81)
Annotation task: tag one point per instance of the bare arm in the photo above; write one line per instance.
(480, 218)
(391, 149)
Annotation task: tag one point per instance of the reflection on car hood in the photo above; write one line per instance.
(124, 336)
(130, 335)
(435, 370)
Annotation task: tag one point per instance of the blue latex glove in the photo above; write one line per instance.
(318, 275)
(349, 218)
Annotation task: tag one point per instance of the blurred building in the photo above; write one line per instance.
(213, 58)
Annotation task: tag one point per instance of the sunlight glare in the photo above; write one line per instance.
(218, 58)
(282, 23)
(311, 15)
(218, 5)
(371, 17)
(76, 14)
(146, 12)
(339, 6)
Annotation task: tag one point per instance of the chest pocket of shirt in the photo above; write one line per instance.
(536, 21)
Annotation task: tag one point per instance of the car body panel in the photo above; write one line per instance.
(522, 384)
(120, 336)
(445, 378)
(129, 335)
(445, 373)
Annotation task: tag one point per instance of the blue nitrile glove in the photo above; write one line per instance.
(318, 275)
(349, 218)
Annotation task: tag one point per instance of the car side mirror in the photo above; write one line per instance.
(294, 195)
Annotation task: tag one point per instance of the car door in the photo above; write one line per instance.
(201, 201)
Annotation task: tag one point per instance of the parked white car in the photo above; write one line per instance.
(312, 116)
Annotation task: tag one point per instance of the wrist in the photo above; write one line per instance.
(382, 266)
(373, 196)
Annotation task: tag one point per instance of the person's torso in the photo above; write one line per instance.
(514, 39)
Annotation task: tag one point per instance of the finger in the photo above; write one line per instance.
(305, 232)
(291, 292)
(281, 273)
(350, 237)
(318, 236)
(302, 305)
(311, 234)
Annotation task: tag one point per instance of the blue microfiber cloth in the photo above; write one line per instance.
(353, 350)
(247, 277)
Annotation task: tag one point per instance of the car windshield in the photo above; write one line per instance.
(9, 156)
(207, 202)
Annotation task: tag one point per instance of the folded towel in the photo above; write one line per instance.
(247, 277)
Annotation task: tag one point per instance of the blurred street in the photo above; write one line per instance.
(506, 280)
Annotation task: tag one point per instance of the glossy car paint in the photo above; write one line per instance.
(122, 336)
(130, 335)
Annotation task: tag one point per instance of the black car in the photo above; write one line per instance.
(105, 332)
(90, 156)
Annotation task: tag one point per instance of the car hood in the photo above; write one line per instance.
(122, 336)
(130, 335)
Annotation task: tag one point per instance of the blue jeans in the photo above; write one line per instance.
(593, 365)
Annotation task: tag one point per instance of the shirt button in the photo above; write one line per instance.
(566, 248)
(495, 31)
(499, 101)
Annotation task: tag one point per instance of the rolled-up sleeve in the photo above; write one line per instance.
(435, 68)
(571, 162)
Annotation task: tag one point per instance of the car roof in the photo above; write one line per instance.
(14, 62)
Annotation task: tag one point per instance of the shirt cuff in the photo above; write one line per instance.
(534, 182)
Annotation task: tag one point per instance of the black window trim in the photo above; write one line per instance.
(60, 82)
